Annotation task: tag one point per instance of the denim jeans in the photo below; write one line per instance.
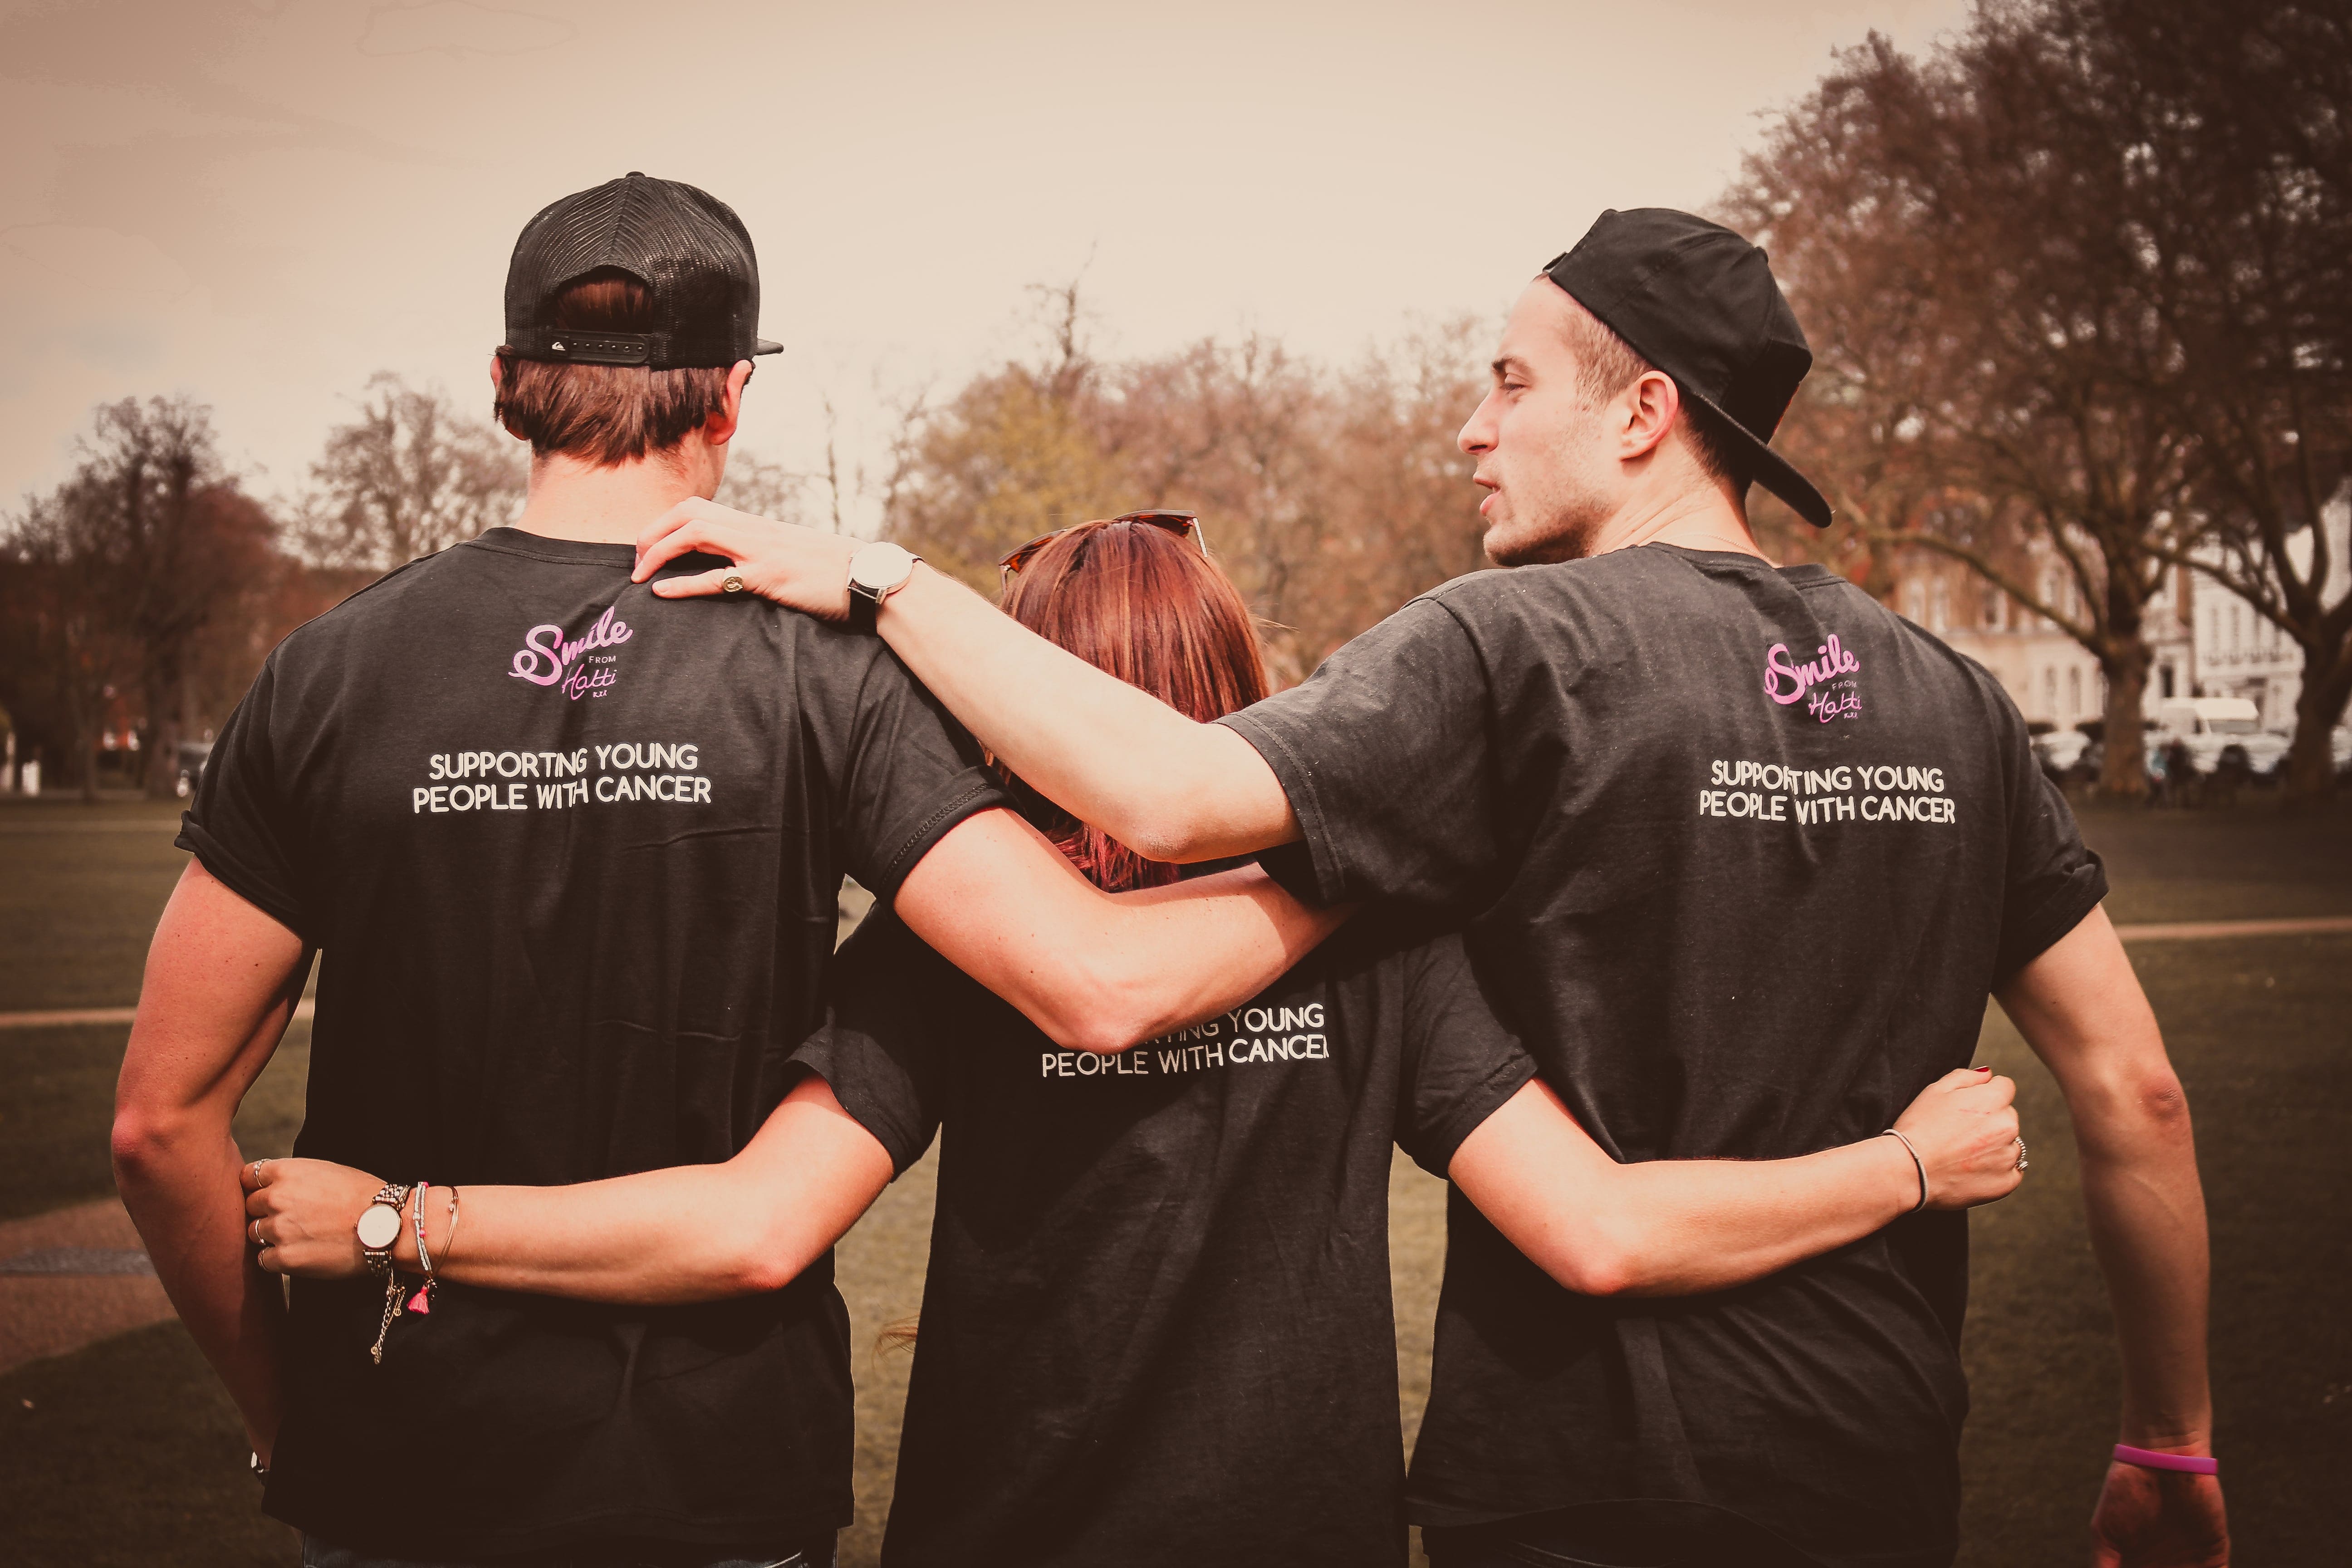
(317, 1553)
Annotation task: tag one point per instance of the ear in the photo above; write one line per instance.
(720, 426)
(1648, 409)
(498, 375)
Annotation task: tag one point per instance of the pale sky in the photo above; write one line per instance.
(262, 202)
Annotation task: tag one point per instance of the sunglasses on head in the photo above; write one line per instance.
(1176, 522)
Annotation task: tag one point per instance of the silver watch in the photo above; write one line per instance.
(379, 1227)
(875, 573)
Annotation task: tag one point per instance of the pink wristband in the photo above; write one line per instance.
(2186, 1464)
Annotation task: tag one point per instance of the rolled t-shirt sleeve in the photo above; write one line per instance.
(1461, 1064)
(880, 1050)
(906, 773)
(1386, 757)
(2053, 878)
(240, 825)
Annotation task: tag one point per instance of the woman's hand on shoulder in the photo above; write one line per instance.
(1964, 1129)
(805, 569)
(304, 1216)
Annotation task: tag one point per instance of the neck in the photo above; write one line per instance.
(571, 500)
(1703, 518)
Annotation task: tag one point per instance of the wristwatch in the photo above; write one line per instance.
(379, 1227)
(875, 573)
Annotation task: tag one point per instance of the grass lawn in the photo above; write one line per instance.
(125, 1452)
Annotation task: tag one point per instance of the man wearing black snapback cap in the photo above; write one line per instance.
(570, 854)
(1743, 853)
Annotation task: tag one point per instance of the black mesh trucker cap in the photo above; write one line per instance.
(685, 245)
(1701, 303)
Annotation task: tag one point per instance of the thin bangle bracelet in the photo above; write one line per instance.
(1917, 1164)
(2186, 1464)
(449, 1242)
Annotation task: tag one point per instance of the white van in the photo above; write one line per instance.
(2209, 725)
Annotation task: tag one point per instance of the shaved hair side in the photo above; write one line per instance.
(1606, 364)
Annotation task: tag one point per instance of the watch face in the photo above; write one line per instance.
(379, 1226)
(881, 565)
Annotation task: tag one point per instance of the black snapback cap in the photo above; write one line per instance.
(685, 245)
(1701, 303)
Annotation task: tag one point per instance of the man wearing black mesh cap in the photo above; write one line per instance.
(1743, 853)
(570, 854)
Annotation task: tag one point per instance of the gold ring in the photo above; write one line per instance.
(730, 585)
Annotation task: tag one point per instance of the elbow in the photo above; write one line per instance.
(1602, 1259)
(762, 1276)
(142, 1142)
(1109, 1006)
(1602, 1271)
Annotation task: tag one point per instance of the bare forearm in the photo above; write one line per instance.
(2080, 1006)
(180, 1187)
(2147, 1212)
(1668, 1227)
(688, 1233)
(1168, 788)
(221, 983)
(1096, 971)
(658, 1238)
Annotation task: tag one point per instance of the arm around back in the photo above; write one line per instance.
(1099, 971)
(1169, 788)
(685, 1233)
(1670, 1227)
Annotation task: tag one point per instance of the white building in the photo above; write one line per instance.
(2052, 678)
(2238, 652)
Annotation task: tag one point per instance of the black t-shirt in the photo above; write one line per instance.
(1157, 1327)
(571, 854)
(1741, 853)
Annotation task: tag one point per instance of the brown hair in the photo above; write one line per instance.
(605, 414)
(1142, 603)
(1607, 364)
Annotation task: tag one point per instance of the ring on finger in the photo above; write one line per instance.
(2021, 1162)
(730, 585)
(254, 1230)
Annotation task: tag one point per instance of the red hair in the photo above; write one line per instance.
(1143, 604)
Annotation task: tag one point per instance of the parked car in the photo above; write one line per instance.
(193, 754)
(2216, 728)
(2058, 750)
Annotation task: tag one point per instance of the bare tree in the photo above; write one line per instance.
(2044, 375)
(754, 485)
(413, 474)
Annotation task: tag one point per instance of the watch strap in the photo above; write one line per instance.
(865, 605)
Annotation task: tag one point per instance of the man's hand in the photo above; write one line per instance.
(799, 568)
(304, 1216)
(2159, 1518)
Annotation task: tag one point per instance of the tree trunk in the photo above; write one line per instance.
(162, 735)
(2311, 761)
(2123, 768)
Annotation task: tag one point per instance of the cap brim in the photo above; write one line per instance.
(1773, 472)
(762, 346)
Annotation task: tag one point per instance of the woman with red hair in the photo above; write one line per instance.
(1157, 1326)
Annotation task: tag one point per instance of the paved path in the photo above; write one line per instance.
(72, 1276)
(2192, 930)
